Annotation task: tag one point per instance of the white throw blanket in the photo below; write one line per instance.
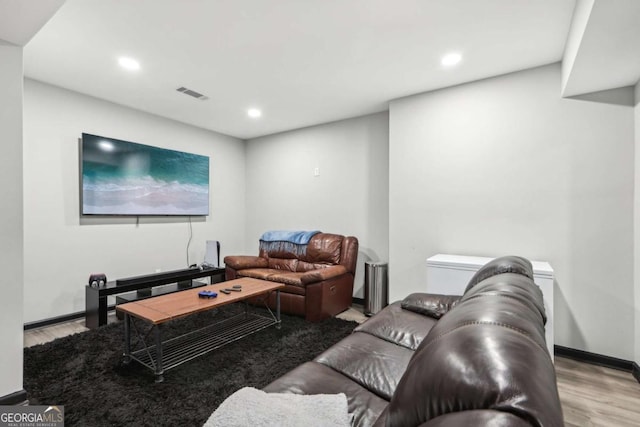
(255, 408)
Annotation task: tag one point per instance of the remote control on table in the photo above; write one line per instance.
(224, 291)
(233, 289)
(237, 286)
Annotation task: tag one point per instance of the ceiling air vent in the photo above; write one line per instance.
(193, 93)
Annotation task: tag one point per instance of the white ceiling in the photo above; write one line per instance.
(20, 20)
(303, 62)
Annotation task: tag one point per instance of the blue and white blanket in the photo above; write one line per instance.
(298, 237)
(286, 241)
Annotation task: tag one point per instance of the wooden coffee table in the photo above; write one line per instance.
(164, 355)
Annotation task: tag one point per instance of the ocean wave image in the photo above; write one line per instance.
(126, 178)
(137, 196)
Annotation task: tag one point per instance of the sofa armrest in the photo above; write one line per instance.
(432, 305)
(321, 274)
(241, 262)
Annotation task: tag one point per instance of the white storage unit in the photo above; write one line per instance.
(449, 275)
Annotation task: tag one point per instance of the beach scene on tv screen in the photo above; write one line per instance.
(125, 178)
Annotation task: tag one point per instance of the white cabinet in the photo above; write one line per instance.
(449, 275)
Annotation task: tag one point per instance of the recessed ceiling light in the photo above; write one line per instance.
(451, 59)
(254, 113)
(129, 63)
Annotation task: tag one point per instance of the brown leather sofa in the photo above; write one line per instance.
(437, 360)
(318, 281)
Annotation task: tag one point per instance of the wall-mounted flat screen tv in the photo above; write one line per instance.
(126, 178)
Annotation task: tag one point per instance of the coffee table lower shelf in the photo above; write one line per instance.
(184, 348)
(158, 355)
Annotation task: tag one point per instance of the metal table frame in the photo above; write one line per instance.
(164, 355)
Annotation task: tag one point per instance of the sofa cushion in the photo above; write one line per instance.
(309, 266)
(291, 280)
(239, 262)
(257, 273)
(514, 286)
(481, 366)
(399, 326)
(315, 378)
(481, 355)
(495, 309)
(373, 363)
(432, 305)
(321, 274)
(288, 278)
(323, 248)
(508, 300)
(281, 253)
(283, 264)
(479, 418)
(506, 264)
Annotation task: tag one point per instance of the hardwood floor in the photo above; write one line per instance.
(596, 396)
(49, 333)
(590, 395)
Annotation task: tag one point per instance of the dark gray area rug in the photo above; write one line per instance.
(84, 372)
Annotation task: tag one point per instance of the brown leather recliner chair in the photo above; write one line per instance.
(318, 282)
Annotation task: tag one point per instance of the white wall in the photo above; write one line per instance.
(11, 223)
(61, 249)
(505, 166)
(637, 224)
(350, 196)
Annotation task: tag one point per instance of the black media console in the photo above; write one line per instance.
(140, 287)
